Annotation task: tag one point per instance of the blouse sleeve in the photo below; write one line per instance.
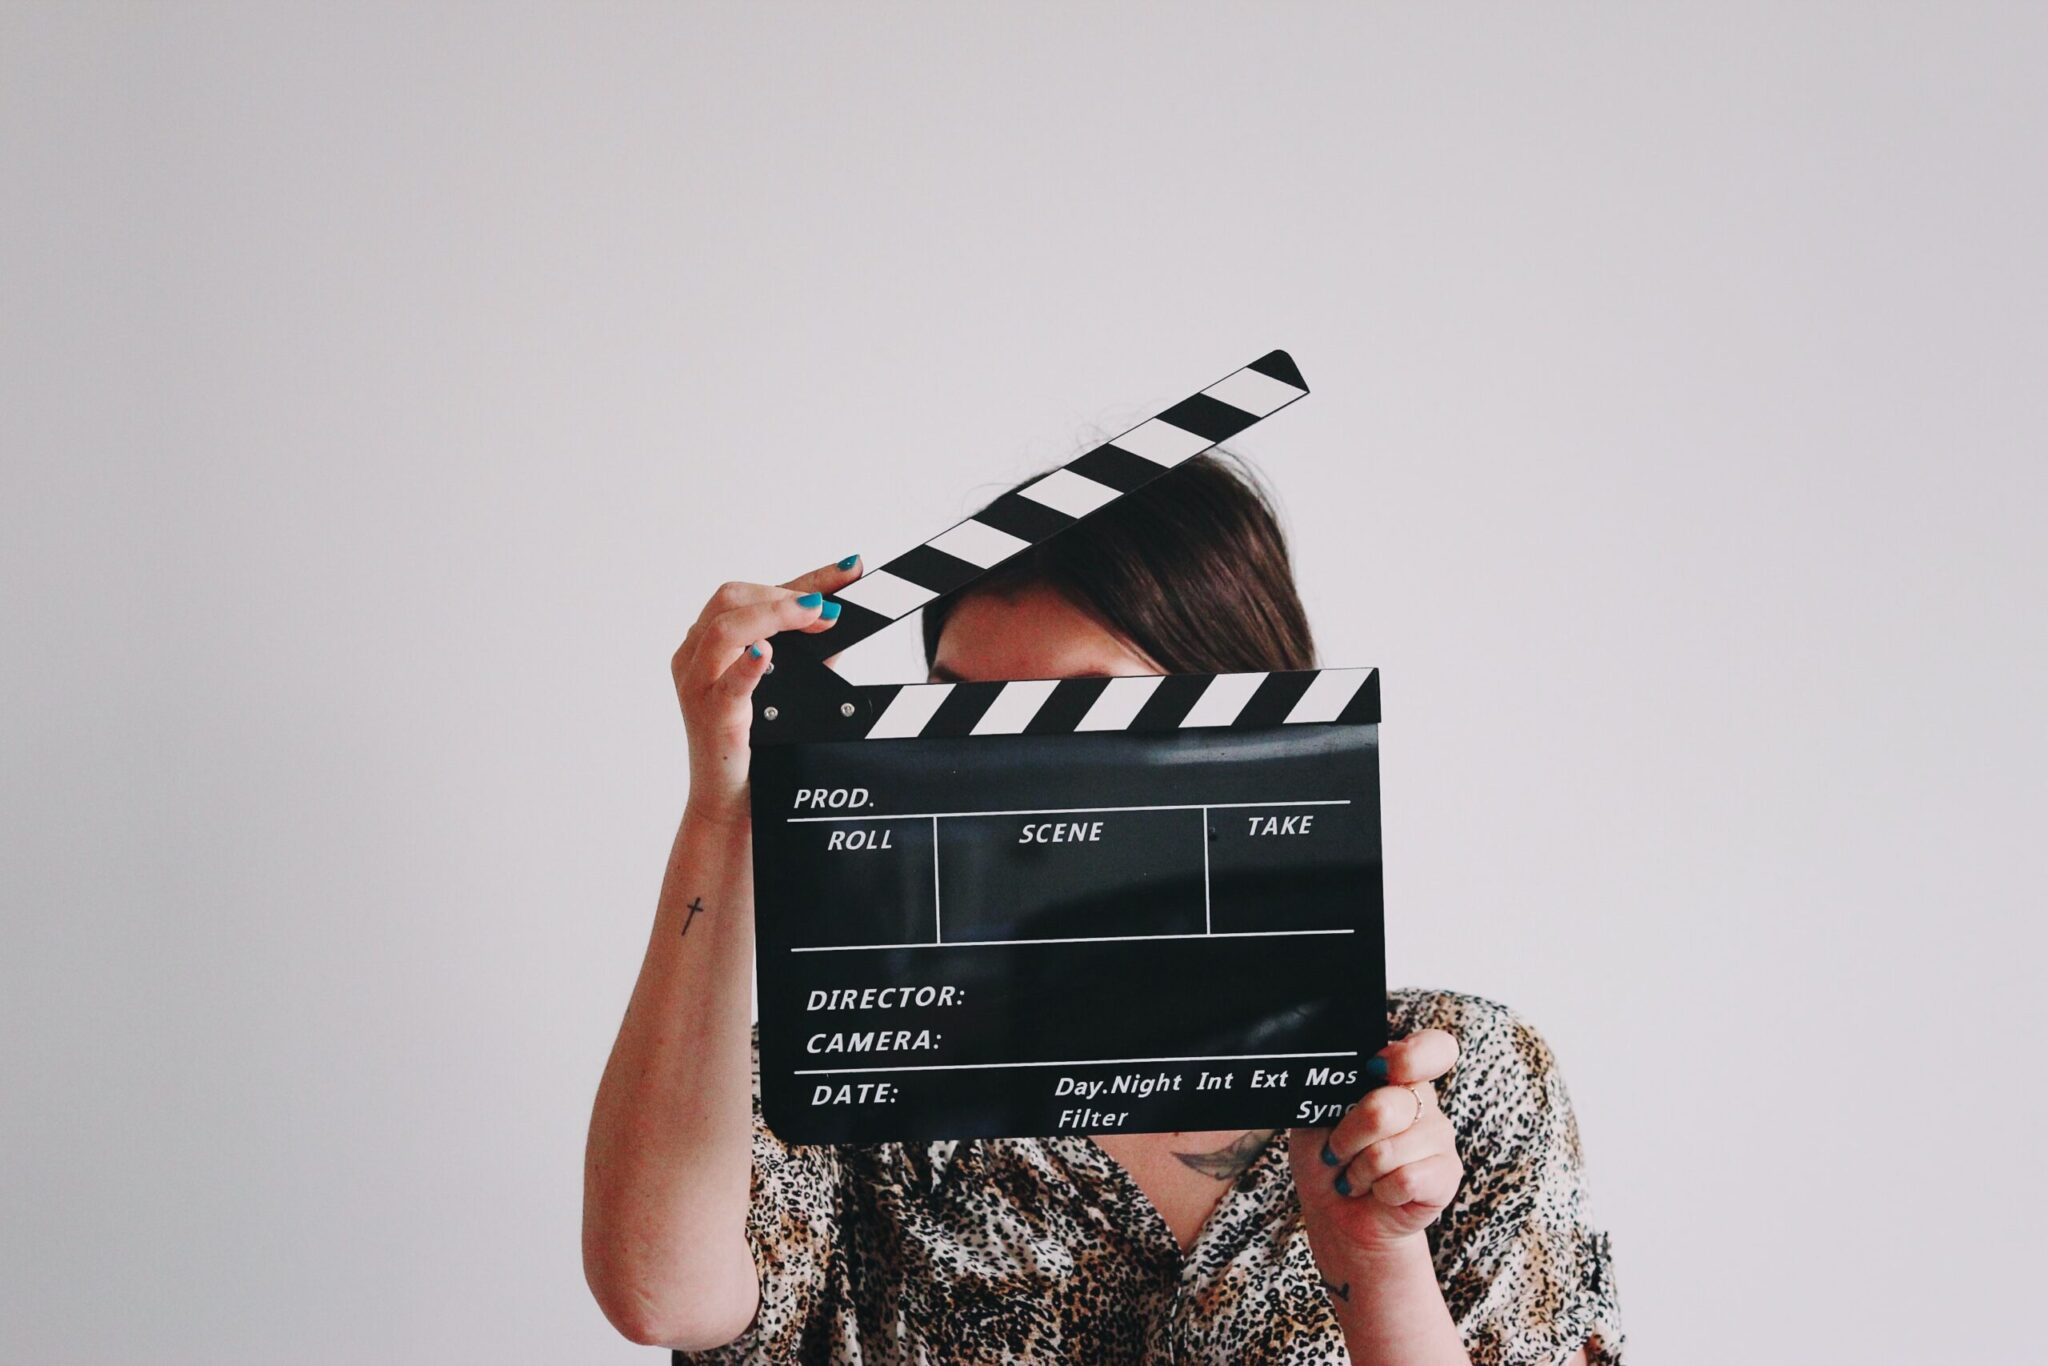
(793, 1222)
(1527, 1275)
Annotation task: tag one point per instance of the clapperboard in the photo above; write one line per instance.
(1045, 906)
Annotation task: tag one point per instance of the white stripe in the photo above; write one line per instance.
(1223, 699)
(1248, 391)
(978, 543)
(1119, 702)
(1071, 493)
(1327, 695)
(908, 710)
(1162, 442)
(1014, 706)
(880, 591)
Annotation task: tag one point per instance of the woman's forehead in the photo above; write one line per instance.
(1031, 632)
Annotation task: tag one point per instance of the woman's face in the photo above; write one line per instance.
(1032, 633)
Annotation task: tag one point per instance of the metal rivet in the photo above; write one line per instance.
(846, 708)
(769, 713)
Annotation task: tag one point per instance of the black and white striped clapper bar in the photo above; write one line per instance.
(1033, 907)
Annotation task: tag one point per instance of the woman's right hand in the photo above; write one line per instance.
(724, 654)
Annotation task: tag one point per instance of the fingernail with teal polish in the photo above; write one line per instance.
(1376, 1071)
(810, 599)
(1343, 1184)
(849, 562)
(754, 650)
(830, 612)
(1329, 1158)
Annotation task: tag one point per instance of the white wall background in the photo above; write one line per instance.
(385, 389)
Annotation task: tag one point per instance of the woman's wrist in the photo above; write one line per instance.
(1355, 1268)
(1389, 1304)
(1392, 1254)
(724, 819)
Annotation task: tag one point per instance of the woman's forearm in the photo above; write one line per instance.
(1392, 1310)
(667, 1165)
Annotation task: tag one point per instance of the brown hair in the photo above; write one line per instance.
(1192, 569)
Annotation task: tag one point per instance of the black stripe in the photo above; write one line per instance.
(1279, 365)
(1168, 705)
(856, 623)
(1116, 467)
(1023, 518)
(961, 709)
(933, 569)
(1207, 417)
(1364, 705)
(1065, 706)
(1274, 698)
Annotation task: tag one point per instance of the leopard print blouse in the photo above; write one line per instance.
(1045, 1250)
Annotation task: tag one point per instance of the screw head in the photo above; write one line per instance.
(769, 713)
(846, 708)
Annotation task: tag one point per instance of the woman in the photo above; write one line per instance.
(1443, 1219)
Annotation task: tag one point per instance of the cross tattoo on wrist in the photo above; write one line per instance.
(696, 905)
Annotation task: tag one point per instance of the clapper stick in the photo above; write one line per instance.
(805, 699)
(1079, 905)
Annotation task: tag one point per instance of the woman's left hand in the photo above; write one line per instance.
(1388, 1168)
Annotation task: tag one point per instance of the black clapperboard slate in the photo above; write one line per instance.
(1047, 906)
